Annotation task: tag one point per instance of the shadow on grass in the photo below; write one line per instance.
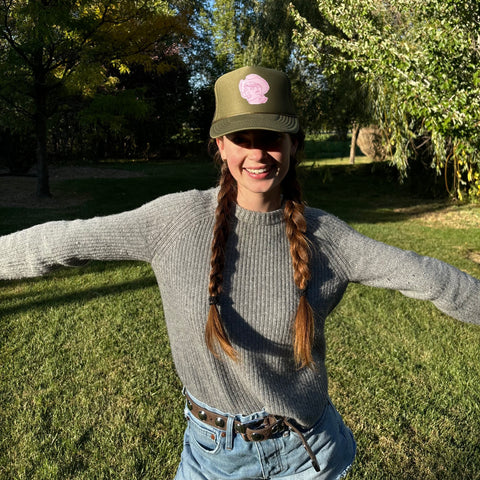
(367, 193)
(77, 296)
(328, 149)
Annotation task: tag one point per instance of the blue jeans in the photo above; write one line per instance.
(213, 454)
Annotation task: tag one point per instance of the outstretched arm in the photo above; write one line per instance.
(376, 264)
(40, 249)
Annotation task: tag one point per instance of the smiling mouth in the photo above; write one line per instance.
(258, 171)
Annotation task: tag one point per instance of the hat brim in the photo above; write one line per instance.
(255, 121)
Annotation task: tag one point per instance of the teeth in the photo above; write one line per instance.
(257, 170)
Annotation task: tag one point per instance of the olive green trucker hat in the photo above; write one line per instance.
(253, 98)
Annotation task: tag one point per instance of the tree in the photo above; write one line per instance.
(49, 47)
(252, 32)
(420, 64)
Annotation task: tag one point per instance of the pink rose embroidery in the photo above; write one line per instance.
(253, 89)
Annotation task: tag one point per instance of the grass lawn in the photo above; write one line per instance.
(87, 386)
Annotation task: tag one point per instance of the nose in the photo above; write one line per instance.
(257, 148)
(257, 153)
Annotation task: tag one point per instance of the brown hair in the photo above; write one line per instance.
(296, 226)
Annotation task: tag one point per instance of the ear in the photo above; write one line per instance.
(221, 147)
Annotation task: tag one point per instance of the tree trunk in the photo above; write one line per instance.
(40, 118)
(43, 182)
(355, 130)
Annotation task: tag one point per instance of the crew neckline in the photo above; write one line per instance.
(260, 218)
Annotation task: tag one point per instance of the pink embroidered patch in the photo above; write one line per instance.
(253, 89)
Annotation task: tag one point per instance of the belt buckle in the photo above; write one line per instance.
(261, 429)
(252, 425)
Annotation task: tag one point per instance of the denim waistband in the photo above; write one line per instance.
(244, 418)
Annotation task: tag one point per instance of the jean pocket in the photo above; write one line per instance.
(204, 437)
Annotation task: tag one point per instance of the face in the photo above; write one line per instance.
(258, 160)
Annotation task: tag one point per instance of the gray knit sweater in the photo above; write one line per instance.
(173, 234)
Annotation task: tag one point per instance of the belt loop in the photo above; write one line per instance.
(230, 433)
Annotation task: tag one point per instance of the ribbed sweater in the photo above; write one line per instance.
(259, 300)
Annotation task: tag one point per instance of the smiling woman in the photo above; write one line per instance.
(248, 276)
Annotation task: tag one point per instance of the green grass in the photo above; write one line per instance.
(88, 389)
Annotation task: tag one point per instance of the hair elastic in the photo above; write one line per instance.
(303, 292)
(213, 300)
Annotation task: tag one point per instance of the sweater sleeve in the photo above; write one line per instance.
(376, 264)
(40, 249)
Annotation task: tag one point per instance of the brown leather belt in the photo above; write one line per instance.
(254, 431)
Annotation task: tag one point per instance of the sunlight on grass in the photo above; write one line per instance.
(335, 161)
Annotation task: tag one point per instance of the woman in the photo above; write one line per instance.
(248, 275)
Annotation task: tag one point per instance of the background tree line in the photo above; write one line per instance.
(90, 79)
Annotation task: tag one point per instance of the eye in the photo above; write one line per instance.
(264, 139)
(271, 140)
(238, 139)
(273, 137)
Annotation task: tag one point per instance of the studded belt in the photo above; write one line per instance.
(252, 431)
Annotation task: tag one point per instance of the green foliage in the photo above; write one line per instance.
(112, 110)
(55, 51)
(420, 63)
(139, 116)
(71, 43)
(252, 32)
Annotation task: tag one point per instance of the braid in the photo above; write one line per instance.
(215, 331)
(296, 227)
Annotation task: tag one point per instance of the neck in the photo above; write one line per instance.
(260, 202)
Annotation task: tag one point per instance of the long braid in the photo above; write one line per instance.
(296, 227)
(214, 330)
